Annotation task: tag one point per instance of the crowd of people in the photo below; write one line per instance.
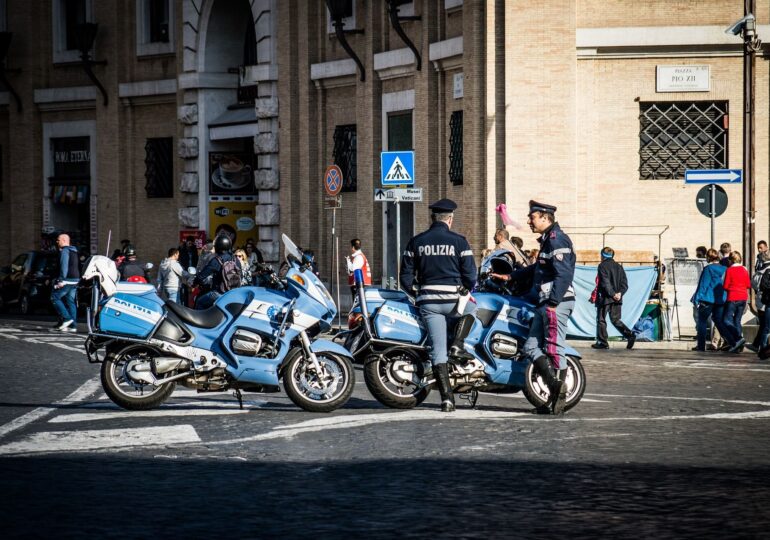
(721, 298)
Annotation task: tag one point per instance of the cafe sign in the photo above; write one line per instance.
(683, 79)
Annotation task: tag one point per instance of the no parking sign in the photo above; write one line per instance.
(333, 180)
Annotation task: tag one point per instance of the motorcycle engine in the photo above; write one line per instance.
(504, 346)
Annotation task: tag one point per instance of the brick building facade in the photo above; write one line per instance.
(555, 100)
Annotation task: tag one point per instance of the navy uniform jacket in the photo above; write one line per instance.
(553, 272)
(438, 262)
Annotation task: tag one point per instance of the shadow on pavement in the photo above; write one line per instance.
(117, 496)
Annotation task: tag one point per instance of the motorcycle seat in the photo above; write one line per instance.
(202, 318)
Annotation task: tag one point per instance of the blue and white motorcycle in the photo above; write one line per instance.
(249, 340)
(388, 336)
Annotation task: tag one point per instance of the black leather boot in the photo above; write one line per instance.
(441, 371)
(559, 393)
(543, 367)
(463, 328)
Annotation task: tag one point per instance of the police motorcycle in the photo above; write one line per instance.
(249, 340)
(388, 336)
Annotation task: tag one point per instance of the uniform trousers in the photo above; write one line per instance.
(440, 320)
(548, 334)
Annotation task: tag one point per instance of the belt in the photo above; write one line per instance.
(442, 288)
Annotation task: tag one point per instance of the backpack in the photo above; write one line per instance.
(230, 274)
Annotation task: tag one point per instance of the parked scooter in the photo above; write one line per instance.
(389, 337)
(249, 340)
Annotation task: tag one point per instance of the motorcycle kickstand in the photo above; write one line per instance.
(472, 397)
(237, 394)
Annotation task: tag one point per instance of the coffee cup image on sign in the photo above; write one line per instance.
(231, 173)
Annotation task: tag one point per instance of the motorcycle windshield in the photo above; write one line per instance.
(304, 277)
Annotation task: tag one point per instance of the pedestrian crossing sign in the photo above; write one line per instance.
(397, 168)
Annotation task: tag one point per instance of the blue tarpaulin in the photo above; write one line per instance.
(582, 323)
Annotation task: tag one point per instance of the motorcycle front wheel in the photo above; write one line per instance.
(318, 392)
(121, 372)
(538, 394)
(393, 378)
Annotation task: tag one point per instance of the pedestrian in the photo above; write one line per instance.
(554, 297)
(709, 299)
(761, 278)
(701, 252)
(737, 284)
(246, 274)
(207, 253)
(611, 287)
(65, 285)
(357, 261)
(171, 275)
(533, 255)
(503, 241)
(439, 264)
(188, 253)
(763, 294)
(253, 253)
(132, 267)
(221, 273)
(761, 248)
(310, 257)
(724, 250)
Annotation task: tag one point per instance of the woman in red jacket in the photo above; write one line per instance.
(737, 285)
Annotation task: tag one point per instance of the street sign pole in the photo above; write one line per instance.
(712, 191)
(398, 244)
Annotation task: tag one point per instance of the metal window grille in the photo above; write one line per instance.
(456, 148)
(681, 135)
(345, 155)
(159, 167)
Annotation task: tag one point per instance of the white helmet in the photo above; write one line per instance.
(103, 268)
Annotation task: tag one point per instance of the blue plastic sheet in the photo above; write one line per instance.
(582, 323)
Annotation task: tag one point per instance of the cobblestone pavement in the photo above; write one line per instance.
(666, 444)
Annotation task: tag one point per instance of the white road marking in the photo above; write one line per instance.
(192, 408)
(88, 388)
(701, 365)
(521, 396)
(8, 335)
(720, 400)
(76, 441)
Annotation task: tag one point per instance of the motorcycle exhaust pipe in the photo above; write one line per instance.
(164, 364)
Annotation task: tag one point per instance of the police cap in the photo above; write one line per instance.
(443, 206)
(535, 206)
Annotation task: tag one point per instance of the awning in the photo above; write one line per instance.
(234, 123)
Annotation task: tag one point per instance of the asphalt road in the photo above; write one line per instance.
(665, 444)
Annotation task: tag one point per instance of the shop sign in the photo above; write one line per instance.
(236, 219)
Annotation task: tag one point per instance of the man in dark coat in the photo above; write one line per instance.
(612, 285)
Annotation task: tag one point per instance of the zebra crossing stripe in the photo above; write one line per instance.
(103, 439)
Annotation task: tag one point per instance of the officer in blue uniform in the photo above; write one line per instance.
(554, 297)
(439, 264)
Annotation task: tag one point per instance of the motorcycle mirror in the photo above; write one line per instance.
(148, 266)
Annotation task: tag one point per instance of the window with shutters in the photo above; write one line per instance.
(456, 148)
(345, 155)
(675, 136)
(159, 167)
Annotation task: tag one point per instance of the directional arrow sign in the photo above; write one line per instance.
(398, 195)
(713, 176)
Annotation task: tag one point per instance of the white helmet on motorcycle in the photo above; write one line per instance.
(104, 269)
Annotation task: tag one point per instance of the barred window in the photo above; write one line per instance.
(159, 167)
(456, 148)
(676, 136)
(345, 155)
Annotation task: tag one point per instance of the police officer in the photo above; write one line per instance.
(554, 296)
(439, 264)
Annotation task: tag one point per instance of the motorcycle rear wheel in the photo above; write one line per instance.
(314, 392)
(130, 393)
(538, 394)
(388, 386)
